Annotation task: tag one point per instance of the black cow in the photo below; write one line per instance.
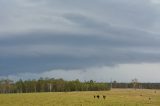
(104, 97)
(98, 96)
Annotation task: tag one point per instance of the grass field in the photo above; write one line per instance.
(115, 97)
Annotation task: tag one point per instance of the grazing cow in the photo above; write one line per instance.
(94, 96)
(98, 96)
(104, 97)
(149, 99)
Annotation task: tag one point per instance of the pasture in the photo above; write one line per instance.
(115, 97)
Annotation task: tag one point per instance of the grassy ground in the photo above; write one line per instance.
(115, 97)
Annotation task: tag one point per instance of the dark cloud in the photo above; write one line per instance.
(37, 35)
(39, 51)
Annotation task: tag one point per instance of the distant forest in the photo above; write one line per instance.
(60, 85)
(136, 86)
(50, 85)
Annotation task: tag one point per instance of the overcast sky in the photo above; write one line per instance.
(80, 39)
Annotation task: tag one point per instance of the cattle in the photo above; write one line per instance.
(98, 96)
(104, 97)
(94, 96)
(150, 99)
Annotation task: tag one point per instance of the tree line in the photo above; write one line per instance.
(50, 85)
(136, 85)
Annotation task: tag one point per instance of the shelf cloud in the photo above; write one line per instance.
(38, 36)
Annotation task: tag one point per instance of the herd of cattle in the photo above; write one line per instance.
(98, 96)
(149, 99)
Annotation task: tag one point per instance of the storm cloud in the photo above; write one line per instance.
(37, 36)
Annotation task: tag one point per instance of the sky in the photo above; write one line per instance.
(80, 39)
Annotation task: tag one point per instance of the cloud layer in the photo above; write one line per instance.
(38, 36)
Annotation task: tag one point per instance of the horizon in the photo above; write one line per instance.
(87, 40)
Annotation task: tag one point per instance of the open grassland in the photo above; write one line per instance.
(115, 97)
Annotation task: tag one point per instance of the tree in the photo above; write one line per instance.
(135, 83)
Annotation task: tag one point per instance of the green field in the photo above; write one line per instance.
(115, 97)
